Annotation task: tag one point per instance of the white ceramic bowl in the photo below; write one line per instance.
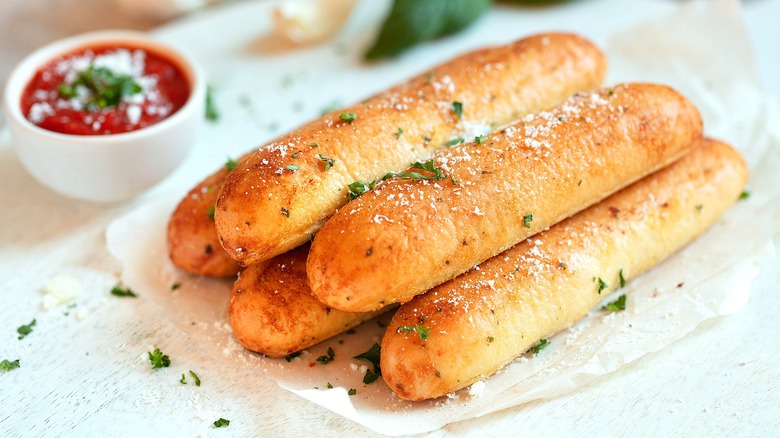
(104, 168)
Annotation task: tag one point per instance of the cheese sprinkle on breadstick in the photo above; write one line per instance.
(438, 219)
(480, 321)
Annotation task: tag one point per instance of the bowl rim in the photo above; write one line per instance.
(23, 72)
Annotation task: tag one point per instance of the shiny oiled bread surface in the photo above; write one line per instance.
(273, 312)
(482, 320)
(193, 244)
(283, 193)
(406, 236)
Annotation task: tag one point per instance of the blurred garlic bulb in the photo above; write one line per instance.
(310, 21)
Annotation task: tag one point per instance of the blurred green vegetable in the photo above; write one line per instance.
(413, 21)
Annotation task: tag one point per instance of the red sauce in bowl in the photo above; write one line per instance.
(104, 90)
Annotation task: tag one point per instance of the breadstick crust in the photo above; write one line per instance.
(283, 193)
(405, 237)
(273, 312)
(482, 320)
(193, 244)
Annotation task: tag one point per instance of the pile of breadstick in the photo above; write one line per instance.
(532, 194)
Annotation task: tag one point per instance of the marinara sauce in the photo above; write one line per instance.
(104, 90)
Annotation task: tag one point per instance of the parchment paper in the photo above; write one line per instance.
(701, 51)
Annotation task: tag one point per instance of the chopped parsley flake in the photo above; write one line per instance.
(292, 356)
(543, 343)
(399, 132)
(8, 365)
(175, 286)
(158, 359)
(428, 166)
(426, 138)
(327, 358)
(457, 108)
(352, 391)
(348, 117)
(194, 376)
(329, 385)
(527, 219)
(602, 285)
(212, 113)
(183, 381)
(313, 144)
(295, 154)
(222, 423)
(744, 195)
(356, 189)
(622, 279)
(210, 211)
(371, 356)
(480, 139)
(455, 141)
(231, 164)
(422, 331)
(328, 161)
(26, 329)
(617, 305)
(292, 167)
(122, 291)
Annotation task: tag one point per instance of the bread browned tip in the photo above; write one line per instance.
(406, 236)
(193, 244)
(272, 311)
(483, 319)
(283, 193)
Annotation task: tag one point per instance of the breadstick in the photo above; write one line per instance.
(283, 193)
(404, 237)
(478, 322)
(193, 244)
(272, 311)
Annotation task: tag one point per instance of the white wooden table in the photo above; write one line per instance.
(83, 368)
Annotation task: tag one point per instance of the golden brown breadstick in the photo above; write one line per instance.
(193, 244)
(405, 237)
(478, 322)
(272, 311)
(283, 193)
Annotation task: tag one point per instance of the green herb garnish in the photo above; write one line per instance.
(194, 376)
(292, 356)
(231, 164)
(329, 385)
(292, 167)
(210, 211)
(183, 381)
(602, 285)
(412, 22)
(527, 219)
(175, 286)
(212, 113)
(106, 88)
(538, 347)
(457, 108)
(455, 141)
(26, 329)
(617, 305)
(122, 291)
(327, 358)
(622, 279)
(356, 189)
(158, 359)
(8, 365)
(371, 356)
(744, 195)
(428, 166)
(222, 423)
(480, 139)
(399, 133)
(295, 154)
(352, 391)
(328, 161)
(348, 117)
(422, 331)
